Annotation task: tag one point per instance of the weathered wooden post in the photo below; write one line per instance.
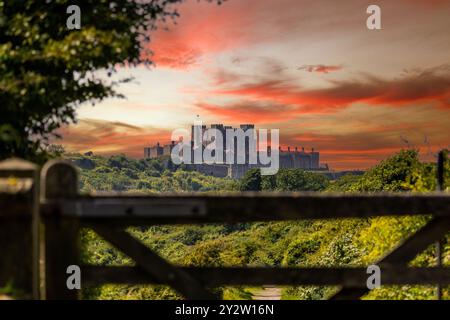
(62, 241)
(440, 187)
(19, 227)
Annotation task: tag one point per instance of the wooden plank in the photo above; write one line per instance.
(440, 171)
(16, 256)
(213, 277)
(36, 228)
(19, 174)
(62, 243)
(433, 231)
(17, 168)
(440, 187)
(155, 265)
(18, 204)
(99, 275)
(247, 207)
(407, 250)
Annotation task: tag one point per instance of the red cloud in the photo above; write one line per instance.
(202, 28)
(359, 150)
(105, 137)
(427, 86)
(250, 112)
(319, 68)
(206, 28)
(176, 56)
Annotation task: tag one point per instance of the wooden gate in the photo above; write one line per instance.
(62, 211)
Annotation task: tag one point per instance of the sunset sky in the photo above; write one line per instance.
(310, 68)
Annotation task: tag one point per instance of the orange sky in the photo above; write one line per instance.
(310, 68)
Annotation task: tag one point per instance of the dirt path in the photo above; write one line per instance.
(268, 293)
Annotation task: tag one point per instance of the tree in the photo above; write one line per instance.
(56, 149)
(401, 172)
(300, 180)
(47, 70)
(251, 181)
(269, 183)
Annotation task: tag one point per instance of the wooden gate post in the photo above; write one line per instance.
(19, 227)
(440, 187)
(62, 240)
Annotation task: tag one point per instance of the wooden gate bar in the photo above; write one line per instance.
(440, 187)
(433, 231)
(155, 265)
(329, 276)
(407, 250)
(233, 208)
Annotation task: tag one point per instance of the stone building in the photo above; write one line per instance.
(153, 152)
(290, 158)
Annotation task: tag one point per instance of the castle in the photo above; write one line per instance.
(290, 158)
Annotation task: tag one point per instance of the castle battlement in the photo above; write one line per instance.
(295, 158)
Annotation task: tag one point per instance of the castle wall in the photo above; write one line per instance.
(216, 170)
(315, 160)
(288, 159)
(155, 152)
(167, 149)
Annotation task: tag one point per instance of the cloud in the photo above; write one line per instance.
(428, 3)
(105, 137)
(202, 28)
(430, 86)
(176, 56)
(206, 28)
(249, 112)
(319, 68)
(361, 149)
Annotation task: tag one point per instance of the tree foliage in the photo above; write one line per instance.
(295, 180)
(120, 173)
(251, 181)
(400, 172)
(47, 70)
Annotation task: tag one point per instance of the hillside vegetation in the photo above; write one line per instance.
(122, 174)
(305, 243)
